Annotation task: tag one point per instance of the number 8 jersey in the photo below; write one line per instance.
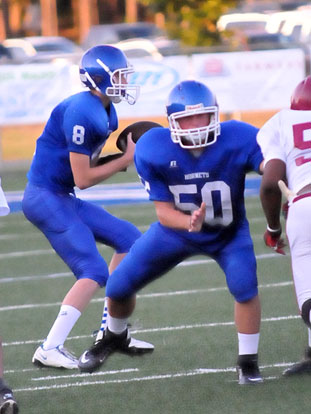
(79, 124)
(287, 137)
(216, 176)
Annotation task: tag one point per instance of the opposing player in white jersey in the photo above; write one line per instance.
(286, 145)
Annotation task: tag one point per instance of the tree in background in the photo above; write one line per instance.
(191, 21)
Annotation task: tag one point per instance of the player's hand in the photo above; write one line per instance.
(130, 148)
(197, 219)
(274, 241)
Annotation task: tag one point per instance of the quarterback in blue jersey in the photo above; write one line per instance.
(194, 172)
(67, 155)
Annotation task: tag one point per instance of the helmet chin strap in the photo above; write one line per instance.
(94, 86)
(117, 98)
(114, 99)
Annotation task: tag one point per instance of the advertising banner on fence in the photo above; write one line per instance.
(156, 80)
(242, 81)
(28, 93)
(246, 81)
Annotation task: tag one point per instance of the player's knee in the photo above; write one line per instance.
(244, 295)
(101, 279)
(305, 312)
(130, 235)
(97, 273)
(243, 292)
(118, 286)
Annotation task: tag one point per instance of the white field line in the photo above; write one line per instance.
(99, 373)
(68, 274)
(182, 374)
(15, 236)
(119, 192)
(38, 277)
(26, 253)
(157, 330)
(37, 234)
(103, 373)
(143, 296)
(199, 371)
(35, 369)
(50, 251)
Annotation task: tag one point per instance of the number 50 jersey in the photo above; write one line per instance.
(171, 173)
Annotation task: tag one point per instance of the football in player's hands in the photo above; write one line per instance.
(137, 129)
(108, 158)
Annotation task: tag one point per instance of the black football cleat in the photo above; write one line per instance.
(8, 405)
(95, 356)
(301, 367)
(248, 370)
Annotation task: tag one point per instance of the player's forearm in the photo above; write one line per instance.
(169, 217)
(176, 220)
(271, 199)
(91, 175)
(270, 194)
(102, 172)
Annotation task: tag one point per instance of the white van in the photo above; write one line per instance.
(242, 22)
(293, 24)
(277, 20)
(298, 27)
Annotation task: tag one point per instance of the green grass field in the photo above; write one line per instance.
(187, 315)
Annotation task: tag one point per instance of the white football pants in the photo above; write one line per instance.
(298, 229)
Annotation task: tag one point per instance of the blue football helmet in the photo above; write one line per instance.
(191, 98)
(106, 69)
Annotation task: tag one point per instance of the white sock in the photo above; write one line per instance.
(248, 343)
(65, 321)
(309, 337)
(116, 325)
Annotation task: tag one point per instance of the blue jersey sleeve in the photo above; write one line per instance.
(255, 156)
(243, 137)
(78, 133)
(87, 125)
(80, 124)
(148, 158)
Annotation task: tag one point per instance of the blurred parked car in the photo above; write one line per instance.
(277, 20)
(242, 22)
(117, 32)
(42, 49)
(299, 27)
(20, 50)
(266, 41)
(139, 48)
(5, 55)
(114, 33)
